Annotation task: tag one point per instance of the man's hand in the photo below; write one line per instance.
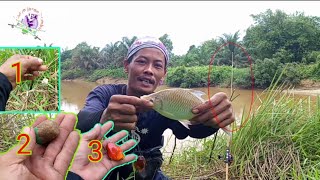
(122, 111)
(49, 162)
(217, 114)
(97, 170)
(30, 67)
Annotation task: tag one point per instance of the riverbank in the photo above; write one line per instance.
(308, 87)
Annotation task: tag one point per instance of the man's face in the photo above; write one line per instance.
(145, 71)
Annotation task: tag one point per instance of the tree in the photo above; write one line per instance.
(228, 56)
(66, 54)
(289, 38)
(232, 39)
(113, 54)
(168, 43)
(85, 57)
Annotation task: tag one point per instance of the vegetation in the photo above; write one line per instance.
(276, 40)
(35, 95)
(11, 125)
(280, 141)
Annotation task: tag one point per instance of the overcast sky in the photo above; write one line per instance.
(98, 23)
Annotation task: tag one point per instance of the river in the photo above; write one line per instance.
(74, 93)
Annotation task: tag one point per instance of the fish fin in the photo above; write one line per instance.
(185, 123)
(198, 94)
(227, 132)
(161, 105)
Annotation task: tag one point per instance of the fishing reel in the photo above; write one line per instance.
(228, 157)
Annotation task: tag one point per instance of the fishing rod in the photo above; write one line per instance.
(228, 158)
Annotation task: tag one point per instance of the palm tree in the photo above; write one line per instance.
(232, 39)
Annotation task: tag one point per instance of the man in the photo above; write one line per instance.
(146, 66)
(30, 67)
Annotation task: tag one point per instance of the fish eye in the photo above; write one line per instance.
(151, 100)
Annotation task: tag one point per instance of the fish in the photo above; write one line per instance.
(177, 103)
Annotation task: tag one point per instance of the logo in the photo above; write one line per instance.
(29, 21)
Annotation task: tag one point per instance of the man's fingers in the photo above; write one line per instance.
(105, 128)
(222, 124)
(28, 78)
(35, 73)
(202, 118)
(210, 113)
(222, 120)
(39, 120)
(92, 134)
(41, 68)
(30, 61)
(126, 126)
(40, 150)
(59, 118)
(113, 164)
(131, 100)
(66, 127)
(120, 118)
(128, 145)
(214, 101)
(64, 158)
(128, 159)
(127, 109)
(226, 122)
(116, 137)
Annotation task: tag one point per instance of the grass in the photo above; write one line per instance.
(11, 126)
(280, 141)
(42, 97)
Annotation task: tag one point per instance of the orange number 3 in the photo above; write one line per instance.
(95, 150)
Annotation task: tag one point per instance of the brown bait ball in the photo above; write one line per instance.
(46, 132)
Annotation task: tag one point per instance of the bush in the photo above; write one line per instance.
(265, 70)
(312, 57)
(175, 76)
(291, 74)
(113, 73)
(72, 74)
(66, 65)
(306, 71)
(197, 76)
(316, 71)
(242, 78)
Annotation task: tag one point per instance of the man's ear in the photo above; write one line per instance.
(126, 66)
(162, 79)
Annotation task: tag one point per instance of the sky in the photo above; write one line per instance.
(66, 24)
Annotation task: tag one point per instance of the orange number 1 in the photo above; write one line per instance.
(20, 151)
(18, 72)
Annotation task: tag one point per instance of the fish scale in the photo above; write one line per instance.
(175, 103)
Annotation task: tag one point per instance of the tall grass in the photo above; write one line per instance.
(41, 97)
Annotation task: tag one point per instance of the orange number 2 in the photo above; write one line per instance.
(20, 151)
